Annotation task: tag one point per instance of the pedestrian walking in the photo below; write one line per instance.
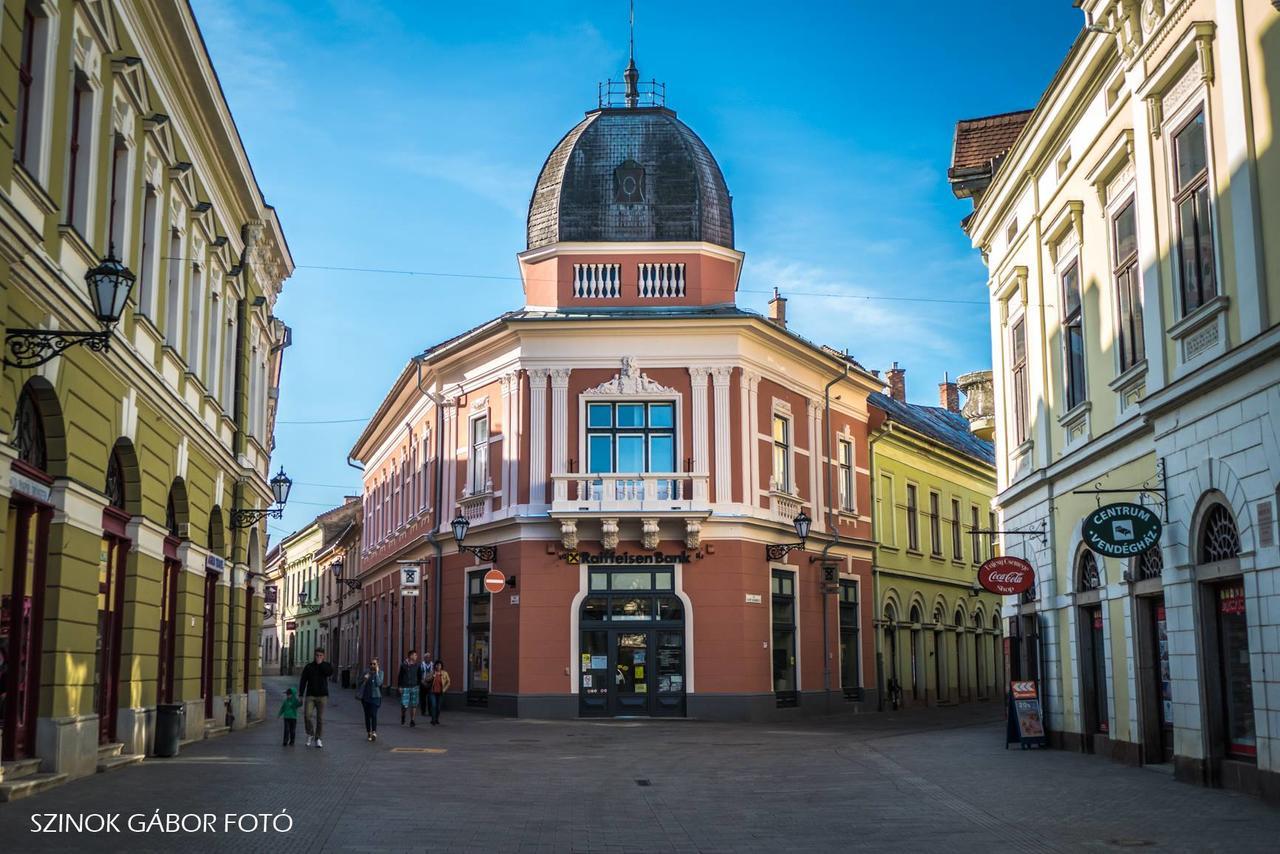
(407, 682)
(289, 713)
(371, 698)
(313, 688)
(424, 683)
(439, 685)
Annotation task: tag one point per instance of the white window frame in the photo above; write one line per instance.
(782, 409)
(847, 475)
(44, 50)
(672, 397)
(475, 485)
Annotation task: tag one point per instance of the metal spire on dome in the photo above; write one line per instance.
(632, 74)
(631, 92)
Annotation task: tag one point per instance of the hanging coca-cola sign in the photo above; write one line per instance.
(1007, 576)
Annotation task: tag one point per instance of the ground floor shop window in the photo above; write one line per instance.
(850, 678)
(1163, 681)
(784, 637)
(1233, 662)
(21, 611)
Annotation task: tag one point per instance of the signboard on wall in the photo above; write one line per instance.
(410, 575)
(270, 594)
(1006, 576)
(291, 625)
(1121, 530)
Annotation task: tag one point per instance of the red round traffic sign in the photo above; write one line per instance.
(1006, 575)
(495, 581)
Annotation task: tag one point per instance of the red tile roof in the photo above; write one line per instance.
(979, 141)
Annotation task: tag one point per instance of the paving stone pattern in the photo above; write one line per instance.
(933, 780)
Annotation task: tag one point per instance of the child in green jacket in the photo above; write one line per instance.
(289, 711)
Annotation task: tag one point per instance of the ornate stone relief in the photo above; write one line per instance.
(609, 534)
(630, 381)
(692, 533)
(569, 533)
(649, 535)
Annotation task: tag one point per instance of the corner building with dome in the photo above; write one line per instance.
(636, 456)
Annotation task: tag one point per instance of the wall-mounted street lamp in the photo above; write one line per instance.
(109, 285)
(484, 554)
(352, 583)
(781, 550)
(280, 486)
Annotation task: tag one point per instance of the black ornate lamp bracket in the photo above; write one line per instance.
(245, 518)
(484, 554)
(781, 550)
(31, 348)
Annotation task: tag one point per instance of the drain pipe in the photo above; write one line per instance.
(438, 500)
(835, 534)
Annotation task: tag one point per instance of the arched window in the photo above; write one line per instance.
(1087, 575)
(171, 516)
(114, 488)
(28, 433)
(1219, 539)
(1150, 564)
(915, 614)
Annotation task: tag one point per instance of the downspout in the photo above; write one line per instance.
(437, 510)
(835, 534)
(359, 663)
(875, 573)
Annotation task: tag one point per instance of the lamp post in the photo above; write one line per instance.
(484, 554)
(109, 286)
(247, 518)
(781, 550)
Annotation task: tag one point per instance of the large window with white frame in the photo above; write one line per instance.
(957, 540)
(1076, 389)
(844, 453)
(79, 166)
(173, 290)
(935, 524)
(1124, 246)
(479, 429)
(147, 260)
(30, 117)
(781, 452)
(195, 314)
(913, 517)
(1198, 281)
(631, 437)
(1018, 380)
(885, 513)
(118, 205)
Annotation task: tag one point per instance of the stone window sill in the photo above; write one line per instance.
(1129, 378)
(1199, 317)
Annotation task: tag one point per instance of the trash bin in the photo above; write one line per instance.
(346, 677)
(168, 728)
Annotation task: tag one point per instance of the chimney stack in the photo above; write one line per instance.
(948, 394)
(897, 383)
(778, 310)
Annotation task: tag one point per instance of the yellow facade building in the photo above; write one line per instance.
(1129, 227)
(938, 636)
(125, 580)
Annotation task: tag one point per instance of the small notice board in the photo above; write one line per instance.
(1026, 718)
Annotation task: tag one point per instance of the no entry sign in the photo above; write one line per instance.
(495, 581)
(1007, 576)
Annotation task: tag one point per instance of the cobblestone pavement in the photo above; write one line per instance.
(935, 780)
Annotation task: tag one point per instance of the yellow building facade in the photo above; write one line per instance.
(938, 635)
(126, 577)
(1129, 228)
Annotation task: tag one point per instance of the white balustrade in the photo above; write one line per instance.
(627, 492)
(660, 281)
(597, 281)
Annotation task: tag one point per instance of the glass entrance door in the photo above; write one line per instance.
(110, 607)
(631, 649)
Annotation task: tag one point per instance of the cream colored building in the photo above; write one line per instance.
(1129, 224)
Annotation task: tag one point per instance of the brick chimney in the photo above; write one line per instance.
(897, 383)
(778, 309)
(948, 394)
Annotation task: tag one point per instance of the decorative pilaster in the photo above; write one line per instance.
(560, 419)
(724, 468)
(752, 420)
(538, 436)
(816, 462)
(510, 384)
(698, 417)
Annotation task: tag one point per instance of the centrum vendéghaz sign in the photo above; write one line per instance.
(1121, 530)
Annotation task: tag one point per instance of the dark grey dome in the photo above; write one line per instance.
(636, 174)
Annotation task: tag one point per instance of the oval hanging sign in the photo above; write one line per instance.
(1121, 530)
(1007, 576)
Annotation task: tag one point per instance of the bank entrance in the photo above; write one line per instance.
(631, 645)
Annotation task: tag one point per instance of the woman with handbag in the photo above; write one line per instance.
(439, 685)
(370, 694)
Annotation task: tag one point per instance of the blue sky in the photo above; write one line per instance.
(408, 135)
